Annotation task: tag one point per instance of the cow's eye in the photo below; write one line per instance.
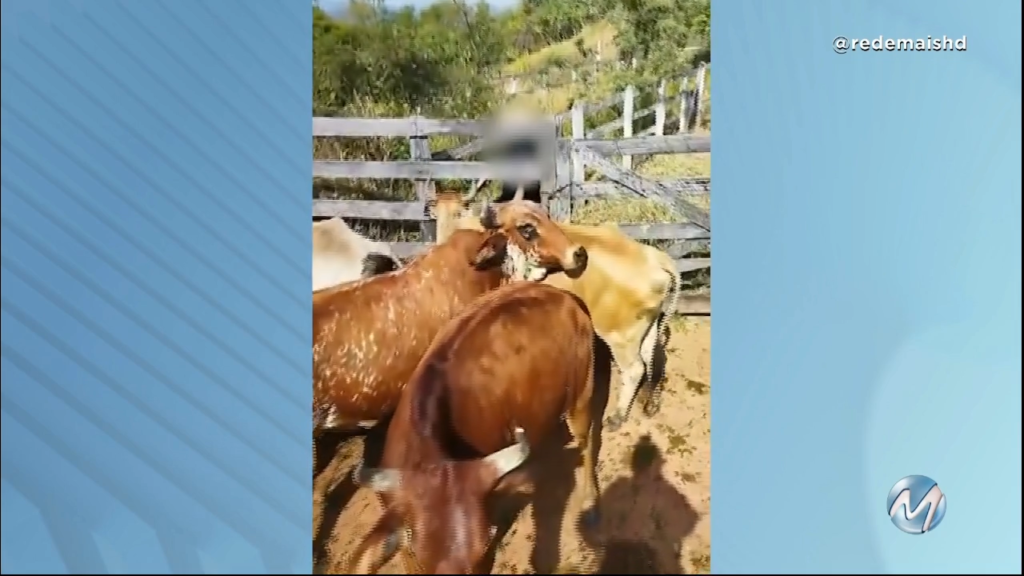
(528, 231)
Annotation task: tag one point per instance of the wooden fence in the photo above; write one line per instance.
(577, 154)
(592, 148)
(687, 100)
(559, 168)
(424, 167)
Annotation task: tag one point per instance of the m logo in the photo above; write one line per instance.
(916, 504)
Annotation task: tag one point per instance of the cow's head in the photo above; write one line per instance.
(527, 243)
(451, 210)
(436, 513)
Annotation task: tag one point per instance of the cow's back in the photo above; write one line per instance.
(338, 253)
(623, 281)
(369, 335)
(521, 356)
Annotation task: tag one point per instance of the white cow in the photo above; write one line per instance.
(340, 254)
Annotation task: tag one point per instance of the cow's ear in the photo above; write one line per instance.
(491, 252)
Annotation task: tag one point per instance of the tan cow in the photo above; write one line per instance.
(340, 254)
(629, 287)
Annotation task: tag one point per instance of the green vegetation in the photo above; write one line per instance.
(448, 60)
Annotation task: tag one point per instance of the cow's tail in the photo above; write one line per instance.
(669, 303)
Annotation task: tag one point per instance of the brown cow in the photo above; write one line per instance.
(512, 365)
(629, 287)
(369, 335)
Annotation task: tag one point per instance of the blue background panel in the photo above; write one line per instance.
(867, 291)
(156, 336)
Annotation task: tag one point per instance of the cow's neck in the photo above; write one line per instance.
(446, 226)
(450, 221)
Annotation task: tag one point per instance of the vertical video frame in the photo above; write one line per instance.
(511, 288)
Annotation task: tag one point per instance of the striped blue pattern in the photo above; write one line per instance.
(156, 322)
(867, 298)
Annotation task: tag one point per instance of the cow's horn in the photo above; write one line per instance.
(376, 479)
(507, 459)
(474, 190)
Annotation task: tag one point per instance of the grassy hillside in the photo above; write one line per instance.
(552, 65)
(545, 86)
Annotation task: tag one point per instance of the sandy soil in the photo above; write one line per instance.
(655, 478)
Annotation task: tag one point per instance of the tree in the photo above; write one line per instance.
(663, 36)
(437, 60)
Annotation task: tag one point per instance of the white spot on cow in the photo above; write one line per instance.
(333, 418)
(520, 265)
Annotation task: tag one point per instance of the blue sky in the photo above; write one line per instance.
(332, 5)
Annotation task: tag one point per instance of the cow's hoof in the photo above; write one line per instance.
(652, 406)
(614, 422)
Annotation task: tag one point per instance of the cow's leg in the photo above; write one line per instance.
(631, 368)
(581, 426)
(320, 460)
(327, 421)
(652, 350)
(316, 469)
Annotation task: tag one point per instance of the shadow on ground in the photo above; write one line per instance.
(370, 446)
(646, 507)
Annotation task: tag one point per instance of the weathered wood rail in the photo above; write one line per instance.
(688, 97)
(590, 147)
(558, 166)
(417, 130)
(422, 168)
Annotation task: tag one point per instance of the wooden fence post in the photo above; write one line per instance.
(573, 160)
(684, 101)
(659, 110)
(554, 198)
(419, 149)
(578, 133)
(627, 121)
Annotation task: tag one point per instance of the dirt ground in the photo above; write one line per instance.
(655, 476)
